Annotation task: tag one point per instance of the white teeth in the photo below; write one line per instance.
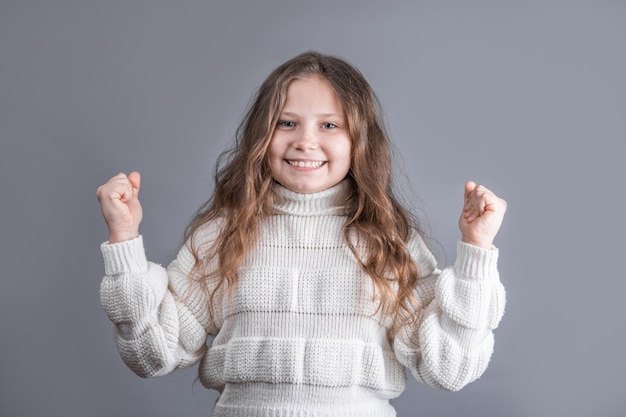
(307, 164)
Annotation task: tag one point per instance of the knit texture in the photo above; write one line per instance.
(300, 335)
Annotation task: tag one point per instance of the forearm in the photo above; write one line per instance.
(147, 316)
(452, 343)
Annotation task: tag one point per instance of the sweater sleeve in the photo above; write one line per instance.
(160, 314)
(451, 342)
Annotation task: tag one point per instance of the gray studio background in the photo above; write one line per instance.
(528, 98)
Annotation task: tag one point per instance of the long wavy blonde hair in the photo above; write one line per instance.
(243, 193)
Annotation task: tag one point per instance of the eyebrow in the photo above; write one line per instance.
(287, 113)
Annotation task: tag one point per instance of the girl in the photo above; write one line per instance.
(310, 281)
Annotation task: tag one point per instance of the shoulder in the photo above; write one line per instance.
(421, 254)
(207, 231)
(201, 240)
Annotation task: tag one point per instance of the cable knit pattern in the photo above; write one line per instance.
(300, 335)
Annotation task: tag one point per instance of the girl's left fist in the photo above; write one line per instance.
(482, 215)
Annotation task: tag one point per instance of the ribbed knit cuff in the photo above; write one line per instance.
(128, 257)
(474, 262)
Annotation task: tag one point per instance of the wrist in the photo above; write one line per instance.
(483, 245)
(117, 237)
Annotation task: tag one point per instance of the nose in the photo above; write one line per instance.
(308, 140)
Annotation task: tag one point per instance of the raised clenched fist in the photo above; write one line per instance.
(119, 201)
(482, 215)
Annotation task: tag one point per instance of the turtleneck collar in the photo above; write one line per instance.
(331, 201)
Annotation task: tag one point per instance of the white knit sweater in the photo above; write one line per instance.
(299, 336)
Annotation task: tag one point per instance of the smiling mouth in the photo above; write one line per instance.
(306, 164)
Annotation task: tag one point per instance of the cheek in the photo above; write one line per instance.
(274, 151)
(271, 155)
(346, 152)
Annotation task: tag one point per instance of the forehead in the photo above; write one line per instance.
(312, 92)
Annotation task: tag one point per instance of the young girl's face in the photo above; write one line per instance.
(310, 148)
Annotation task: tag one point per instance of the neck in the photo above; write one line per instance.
(331, 201)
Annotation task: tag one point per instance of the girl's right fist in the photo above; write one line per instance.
(120, 206)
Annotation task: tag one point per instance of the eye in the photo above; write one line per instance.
(286, 123)
(328, 125)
